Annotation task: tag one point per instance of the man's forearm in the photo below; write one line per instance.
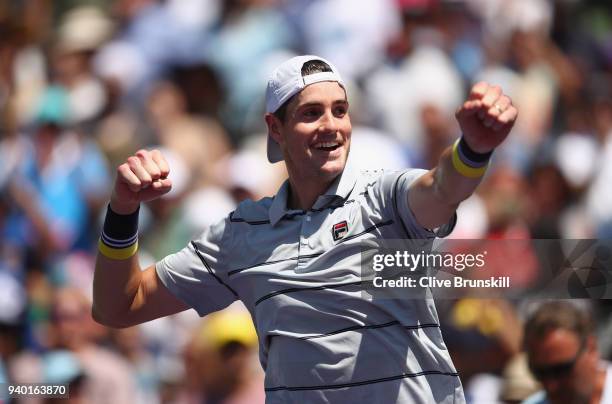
(451, 187)
(117, 277)
(115, 287)
(124, 293)
(434, 198)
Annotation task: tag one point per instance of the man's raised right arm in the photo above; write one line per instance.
(123, 293)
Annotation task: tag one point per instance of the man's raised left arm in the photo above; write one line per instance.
(485, 118)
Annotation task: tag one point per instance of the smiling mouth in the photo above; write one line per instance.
(327, 146)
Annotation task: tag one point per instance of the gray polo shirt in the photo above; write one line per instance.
(321, 340)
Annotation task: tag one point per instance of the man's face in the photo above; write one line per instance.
(316, 135)
(565, 365)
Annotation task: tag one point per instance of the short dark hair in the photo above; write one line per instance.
(557, 315)
(310, 67)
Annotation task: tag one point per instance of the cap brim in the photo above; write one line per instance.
(274, 152)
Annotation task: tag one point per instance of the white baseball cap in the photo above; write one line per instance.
(286, 81)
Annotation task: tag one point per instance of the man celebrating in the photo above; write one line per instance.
(294, 259)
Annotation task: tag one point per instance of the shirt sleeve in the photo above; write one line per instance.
(401, 186)
(195, 274)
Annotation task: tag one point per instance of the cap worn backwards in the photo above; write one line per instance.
(285, 82)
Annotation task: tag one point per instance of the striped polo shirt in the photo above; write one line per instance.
(321, 340)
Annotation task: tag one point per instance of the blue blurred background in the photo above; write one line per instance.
(84, 84)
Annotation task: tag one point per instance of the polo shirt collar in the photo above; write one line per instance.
(340, 188)
(278, 209)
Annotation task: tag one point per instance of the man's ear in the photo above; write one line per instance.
(274, 127)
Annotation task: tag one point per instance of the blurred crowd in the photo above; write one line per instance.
(84, 84)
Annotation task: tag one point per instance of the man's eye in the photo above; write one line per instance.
(340, 111)
(311, 112)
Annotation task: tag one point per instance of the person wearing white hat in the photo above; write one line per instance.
(295, 259)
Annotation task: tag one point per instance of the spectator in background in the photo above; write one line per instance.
(488, 329)
(599, 197)
(83, 83)
(221, 361)
(56, 188)
(358, 34)
(131, 345)
(82, 31)
(562, 354)
(248, 30)
(72, 355)
(426, 84)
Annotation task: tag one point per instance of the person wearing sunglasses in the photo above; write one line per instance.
(562, 355)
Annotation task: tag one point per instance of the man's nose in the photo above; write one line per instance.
(329, 123)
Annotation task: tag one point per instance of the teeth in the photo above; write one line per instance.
(326, 144)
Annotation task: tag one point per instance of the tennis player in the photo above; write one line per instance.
(294, 259)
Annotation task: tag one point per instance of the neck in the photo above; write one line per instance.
(304, 192)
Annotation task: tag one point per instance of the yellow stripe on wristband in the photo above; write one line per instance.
(117, 253)
(463, 168)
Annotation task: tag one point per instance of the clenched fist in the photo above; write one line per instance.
(143, 177)
(486, 117)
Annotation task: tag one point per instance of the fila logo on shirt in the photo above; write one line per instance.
(339, 230)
